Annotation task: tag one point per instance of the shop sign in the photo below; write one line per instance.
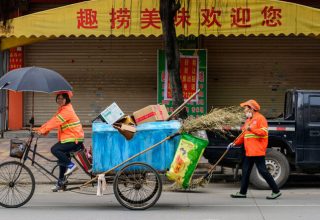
(15, 58)
(142, 17)
(193, 75)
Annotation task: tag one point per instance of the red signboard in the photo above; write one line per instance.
(189, 75)
(15, 58)
(15, 109)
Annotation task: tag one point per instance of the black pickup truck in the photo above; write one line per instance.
(294, 141)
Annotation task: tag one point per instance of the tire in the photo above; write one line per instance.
(17, 184)
(137, 186)
(278, 166)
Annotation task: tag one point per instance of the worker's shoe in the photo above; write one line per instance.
(274, 195)
(71, 167)
(58, 187)
(238, 195)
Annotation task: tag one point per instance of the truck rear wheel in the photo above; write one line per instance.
(277, 165)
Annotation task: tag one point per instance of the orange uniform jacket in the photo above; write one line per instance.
(68, 124)
(256, 140)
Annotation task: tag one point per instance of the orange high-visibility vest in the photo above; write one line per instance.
(256, 140)
(68, 124)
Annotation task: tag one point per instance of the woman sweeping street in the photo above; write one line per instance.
(255, 140)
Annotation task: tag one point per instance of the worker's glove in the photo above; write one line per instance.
(230, 146)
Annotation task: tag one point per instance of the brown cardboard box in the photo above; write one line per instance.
(151, 113)
(128, 120)
(126, 130)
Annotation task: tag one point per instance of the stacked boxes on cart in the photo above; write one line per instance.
(120, 136)
(151, 113)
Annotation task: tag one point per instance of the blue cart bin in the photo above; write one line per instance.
(110, 148)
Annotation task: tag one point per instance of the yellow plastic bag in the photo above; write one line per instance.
(185, 161)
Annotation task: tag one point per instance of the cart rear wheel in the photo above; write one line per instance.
(137, 186)
(17, 184)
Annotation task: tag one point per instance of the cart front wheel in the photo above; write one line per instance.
(17, 184)
(137, 186)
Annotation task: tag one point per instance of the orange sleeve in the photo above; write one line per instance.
(262, 129)
(57, 120)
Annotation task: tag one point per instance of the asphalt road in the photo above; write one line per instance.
(210, 203)
(300, 200)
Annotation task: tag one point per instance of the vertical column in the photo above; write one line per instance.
(3, 102)
(15, 108)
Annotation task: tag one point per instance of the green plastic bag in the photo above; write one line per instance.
(186, 159)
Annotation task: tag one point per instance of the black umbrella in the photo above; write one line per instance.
(34, 79)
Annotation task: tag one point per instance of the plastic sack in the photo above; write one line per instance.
(186, 159)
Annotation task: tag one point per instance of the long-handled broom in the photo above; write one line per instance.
(207, 177)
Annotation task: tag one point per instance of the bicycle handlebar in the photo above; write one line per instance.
(34, 134)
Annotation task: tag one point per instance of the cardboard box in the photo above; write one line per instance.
(151, 113)
(112, 113)
(126, 130)
(128, 120)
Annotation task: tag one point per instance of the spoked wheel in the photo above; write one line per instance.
(137, 186)
(17, 184)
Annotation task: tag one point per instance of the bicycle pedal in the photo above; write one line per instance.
(65, 182)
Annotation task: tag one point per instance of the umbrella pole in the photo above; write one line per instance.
(32, 114)
(32, 104)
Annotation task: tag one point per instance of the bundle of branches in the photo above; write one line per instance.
(219, 120)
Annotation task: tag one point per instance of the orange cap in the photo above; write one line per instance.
(70, 94)
(252, 104)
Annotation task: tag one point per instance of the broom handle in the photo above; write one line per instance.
(179, 109)
(224, 154)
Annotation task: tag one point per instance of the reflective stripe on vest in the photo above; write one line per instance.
(72, 140)
(61, 118)
(254, 136)
(70, 125)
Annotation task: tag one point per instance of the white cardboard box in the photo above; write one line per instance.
(112, 113)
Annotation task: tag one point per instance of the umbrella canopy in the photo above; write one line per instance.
(34, 79)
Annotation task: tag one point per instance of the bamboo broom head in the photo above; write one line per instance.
(217, 120)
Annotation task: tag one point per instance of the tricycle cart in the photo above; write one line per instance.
(137, 185)
(134, 174)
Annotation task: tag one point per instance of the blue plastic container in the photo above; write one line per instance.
(110, 148)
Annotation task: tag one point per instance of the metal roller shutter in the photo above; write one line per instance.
(101, 70)
(261, 68)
